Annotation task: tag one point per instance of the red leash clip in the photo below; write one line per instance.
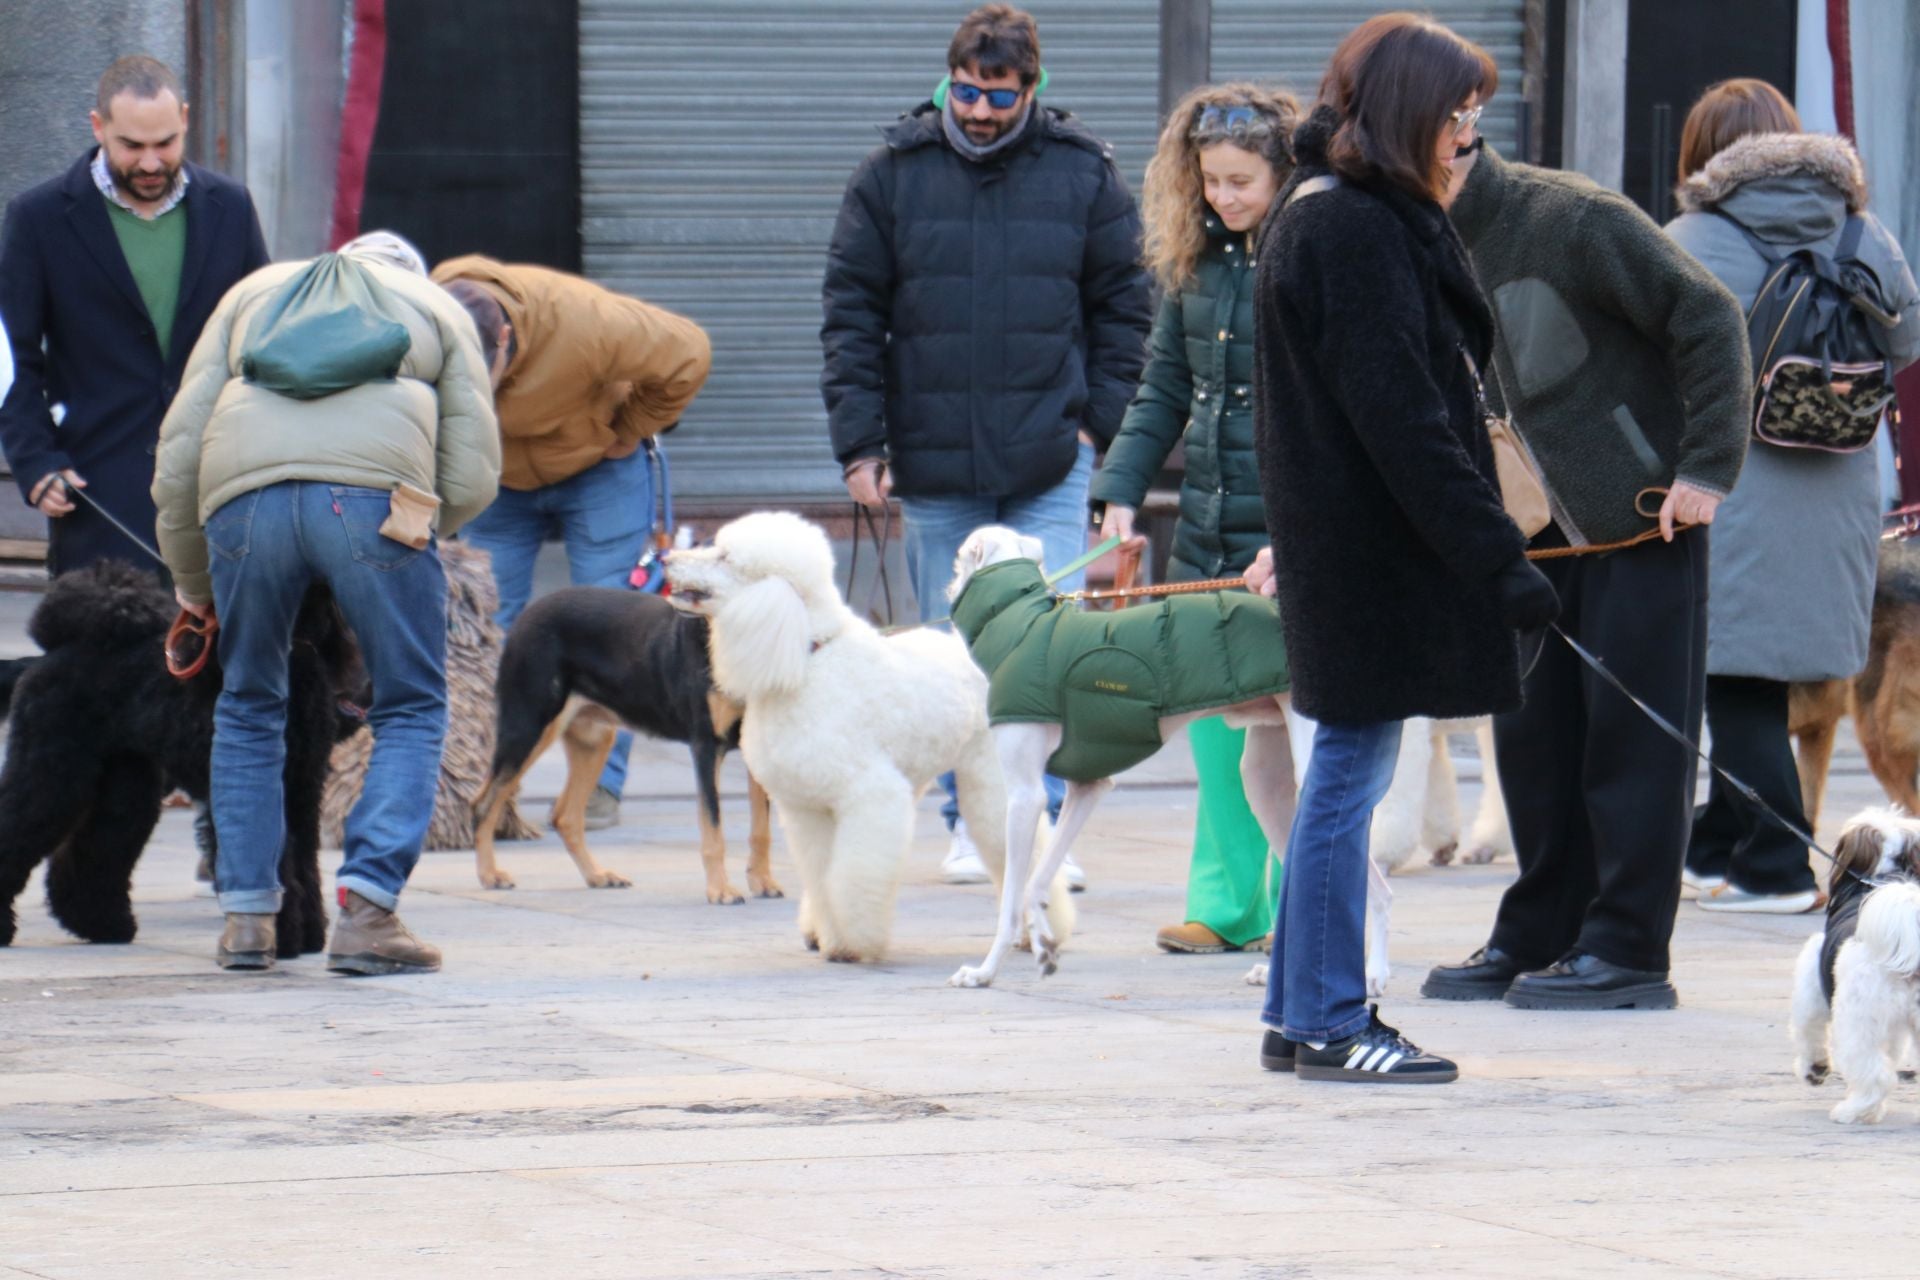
(190, 644)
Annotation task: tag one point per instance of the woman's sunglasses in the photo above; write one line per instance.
(1464, 121)
(999, 99)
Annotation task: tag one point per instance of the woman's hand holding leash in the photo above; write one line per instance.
(1260, 574)
(1117, 523)
(1685, 505)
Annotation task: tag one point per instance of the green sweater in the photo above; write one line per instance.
(1623, 361)
(1108, 678)
(156, 250)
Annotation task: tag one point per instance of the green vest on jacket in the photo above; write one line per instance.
(1109, 678)
(1198, 386)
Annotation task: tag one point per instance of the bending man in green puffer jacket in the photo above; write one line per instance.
(1220, 161)
(261, 494)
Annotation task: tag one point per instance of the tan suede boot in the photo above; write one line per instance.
(369, 940)
(1193, 939)
(247, 942)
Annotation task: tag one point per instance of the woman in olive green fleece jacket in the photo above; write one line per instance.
(1221, 158)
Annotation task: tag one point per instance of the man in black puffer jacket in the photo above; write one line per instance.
(986, 312)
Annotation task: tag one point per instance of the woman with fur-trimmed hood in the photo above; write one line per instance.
(1795, 544)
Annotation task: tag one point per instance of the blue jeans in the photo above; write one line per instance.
(265, 548)
(1316, 983)
(936, 527)
(603, 516)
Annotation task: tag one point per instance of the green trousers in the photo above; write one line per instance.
(1228, 885)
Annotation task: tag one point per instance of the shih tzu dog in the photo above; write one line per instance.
(1857, 983)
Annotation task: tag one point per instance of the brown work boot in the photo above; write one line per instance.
(247, 942)
(1192, 938)
(368, 939)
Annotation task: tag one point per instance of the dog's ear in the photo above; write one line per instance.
(1033, 549)
(758, 640)
(973, 554)
(1859, 850)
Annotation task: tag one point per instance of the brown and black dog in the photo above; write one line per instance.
(1884, 699)
(579, 665)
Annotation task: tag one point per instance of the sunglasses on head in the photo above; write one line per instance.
(999, 99)
(1218, 119)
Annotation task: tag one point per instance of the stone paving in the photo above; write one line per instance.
(635, 1084)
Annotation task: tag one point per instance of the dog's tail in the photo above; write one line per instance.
(11, 669)
(1889, 928)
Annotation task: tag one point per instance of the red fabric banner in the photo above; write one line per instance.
(359, 114)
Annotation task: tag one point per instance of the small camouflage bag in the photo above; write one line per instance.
(1820, 380)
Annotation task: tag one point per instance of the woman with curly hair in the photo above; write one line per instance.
(1221, 159)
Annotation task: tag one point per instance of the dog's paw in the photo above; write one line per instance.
(1859, 1112)
(1813, 1072)
(1256, 976)
(605, 879)
(1479, 856)
(1907, 1076)
(812, 940)
(971, 976)
(764, 886)
(495, 879)
(1443, 854)
(725, 896)
(843, 955)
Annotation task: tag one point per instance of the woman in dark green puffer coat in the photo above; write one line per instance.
(1221, 159)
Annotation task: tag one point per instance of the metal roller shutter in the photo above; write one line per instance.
(1288, 42)
(716, 140)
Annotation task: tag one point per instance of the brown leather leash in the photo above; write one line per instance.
(1600, 548)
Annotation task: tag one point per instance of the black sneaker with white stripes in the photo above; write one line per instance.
(1376, 1055)
(1276, 1051)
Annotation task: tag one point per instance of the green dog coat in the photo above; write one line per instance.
(1108, 678)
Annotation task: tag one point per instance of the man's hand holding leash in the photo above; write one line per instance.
(868, 482)
(1685, 505)
(51, 496)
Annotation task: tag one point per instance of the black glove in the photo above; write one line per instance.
(1526, 600)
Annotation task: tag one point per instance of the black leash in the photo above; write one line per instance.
(880, 530)
(138, 541)
(1666, 726)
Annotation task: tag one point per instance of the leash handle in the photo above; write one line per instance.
(183, 663)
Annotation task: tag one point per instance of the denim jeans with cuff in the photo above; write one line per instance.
(264, 548)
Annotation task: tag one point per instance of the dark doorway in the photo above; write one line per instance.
(1674, 51)
(478, 144)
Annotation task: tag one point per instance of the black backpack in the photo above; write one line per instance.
(1820, 381)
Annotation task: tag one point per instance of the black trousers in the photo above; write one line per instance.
(1601, 801)
(1747, 719)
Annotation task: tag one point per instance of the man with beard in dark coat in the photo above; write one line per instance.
(986, 318)
(114, 266)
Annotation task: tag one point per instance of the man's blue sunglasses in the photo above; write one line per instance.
(999, 99)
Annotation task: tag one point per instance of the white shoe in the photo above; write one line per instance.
(1729, 898)
(1702, 885)
(962, 865)
(1076, 878)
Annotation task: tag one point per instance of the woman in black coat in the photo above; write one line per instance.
(1400, 578)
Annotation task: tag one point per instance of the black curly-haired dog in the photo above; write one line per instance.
(99, 732)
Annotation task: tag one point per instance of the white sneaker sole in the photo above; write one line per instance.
(1788, 904)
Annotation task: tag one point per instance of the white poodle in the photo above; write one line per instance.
(1859, 978)
(843, 727)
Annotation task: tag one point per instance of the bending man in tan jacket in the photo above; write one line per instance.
(582, 377)
(282, 492)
